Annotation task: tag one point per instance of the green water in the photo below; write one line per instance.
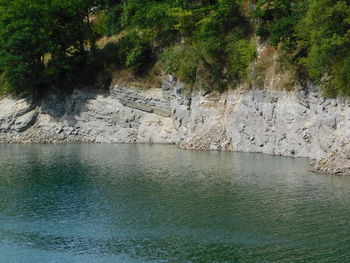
(127, 203)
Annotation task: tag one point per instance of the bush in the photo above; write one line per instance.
(169, 59)
(210, 62)
(136, 58)
(188, 66)
(100, 25)
(182, 61)
(135, 52)
(240, 54)
(5, 87)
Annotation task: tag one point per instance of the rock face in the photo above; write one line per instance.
(118, 116)
(17, 115)
(281, 123)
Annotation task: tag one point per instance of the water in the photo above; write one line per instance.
(139, 203)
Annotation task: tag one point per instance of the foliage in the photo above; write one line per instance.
(182, 61)
(210, 33)
(240, 54)
(112, 10)
(134, 51)
(328, 24)
(278, 19)
(316, 35)
(206, 43)
(55, 40)
(32, 29)
(5, 87)
(150, 16)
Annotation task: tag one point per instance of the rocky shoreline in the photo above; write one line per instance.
(337, 162)
(299, 123)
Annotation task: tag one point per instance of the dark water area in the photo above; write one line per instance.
(144, 203)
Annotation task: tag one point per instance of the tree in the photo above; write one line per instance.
(325, 30)
(23, 42)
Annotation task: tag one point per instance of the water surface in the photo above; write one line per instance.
(142, 203)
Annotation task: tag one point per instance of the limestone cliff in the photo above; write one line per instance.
(90, 116)
(293, 123)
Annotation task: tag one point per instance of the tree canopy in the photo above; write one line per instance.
(315, 34)
(209, 43)
(41, 40)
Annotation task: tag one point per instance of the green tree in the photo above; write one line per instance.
(42, 42)
(325, 31)
(23, 41)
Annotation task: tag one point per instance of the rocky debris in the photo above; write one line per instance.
(337, 162)
(212, 140)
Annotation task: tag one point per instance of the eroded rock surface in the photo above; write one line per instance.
(117, 116)
(264, 121)
(296, 123)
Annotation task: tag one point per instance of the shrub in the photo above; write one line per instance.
(5, 87)
(135, 52)
(100, 25)
(182, 61)
(169, 59)
(240, 54)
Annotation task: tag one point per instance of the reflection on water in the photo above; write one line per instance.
(141, 203)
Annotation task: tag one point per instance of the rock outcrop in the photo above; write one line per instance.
(89, 116)
(279, 123)
(296, 123)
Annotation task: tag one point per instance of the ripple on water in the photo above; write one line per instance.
(132, 203)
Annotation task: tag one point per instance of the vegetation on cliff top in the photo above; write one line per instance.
(208, 43)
